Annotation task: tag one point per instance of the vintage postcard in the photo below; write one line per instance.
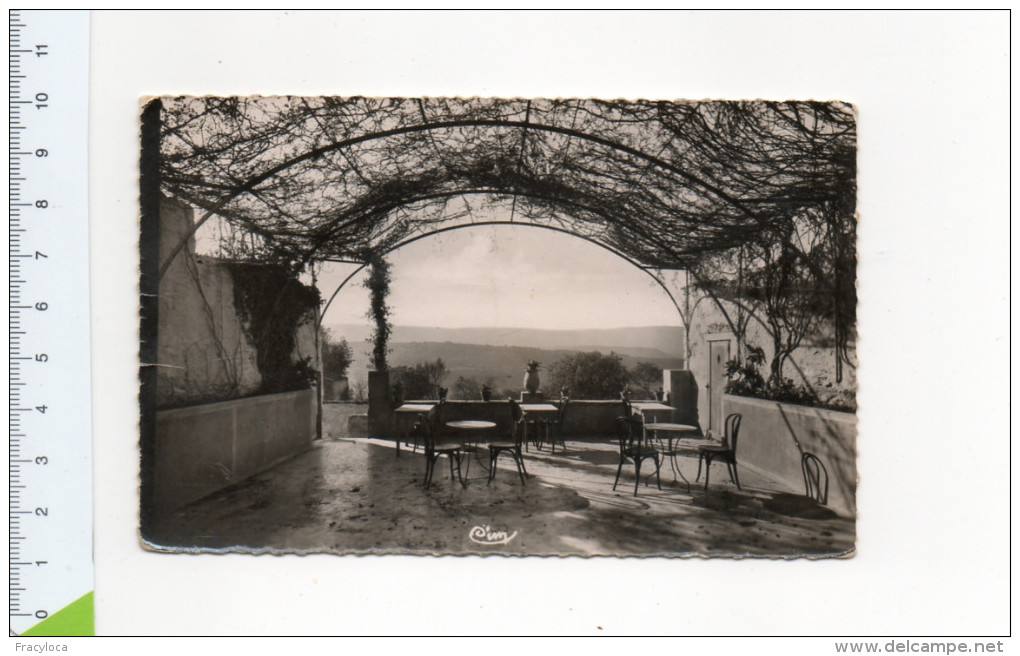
(529, 327)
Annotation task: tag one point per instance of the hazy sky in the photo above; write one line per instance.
(512, 276)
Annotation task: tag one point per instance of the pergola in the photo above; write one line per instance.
(667, 185)
(755, 201)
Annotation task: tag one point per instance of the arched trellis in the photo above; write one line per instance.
(691, 182)
(361, 266)
(685, 314)
(250, 184)
(647, 270)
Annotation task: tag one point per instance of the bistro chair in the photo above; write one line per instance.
(429, 428)
(552, 428)
(512, 445)
(417, 435)
(816, 478)
(435, 417)
(724, 452)
(534, 431)
(630, 434)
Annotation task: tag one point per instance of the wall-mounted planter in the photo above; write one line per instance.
(205, 448)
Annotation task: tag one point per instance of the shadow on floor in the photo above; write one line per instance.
(356, 496)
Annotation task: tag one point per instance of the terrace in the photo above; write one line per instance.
(352, 495)
(742, 214)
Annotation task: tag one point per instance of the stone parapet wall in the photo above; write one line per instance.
(584, 419)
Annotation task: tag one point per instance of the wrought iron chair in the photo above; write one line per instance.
(434, 415)
(512, 445)
(816, 478)
(725, 452)
(552, 428)
(429, 427)
(630, 434)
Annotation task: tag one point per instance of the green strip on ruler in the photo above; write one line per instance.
(77, 619)
(50, 447)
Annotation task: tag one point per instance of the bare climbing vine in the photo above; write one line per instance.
(756, 200)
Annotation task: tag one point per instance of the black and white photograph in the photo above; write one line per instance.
(342, 325)
(519, 327)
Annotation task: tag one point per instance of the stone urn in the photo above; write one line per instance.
(531, 380)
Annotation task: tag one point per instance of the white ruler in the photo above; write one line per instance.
(50, 455)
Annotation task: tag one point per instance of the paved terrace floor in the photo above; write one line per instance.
(352, 495)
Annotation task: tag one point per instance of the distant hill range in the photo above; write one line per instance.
(499, 354)
(643, 341)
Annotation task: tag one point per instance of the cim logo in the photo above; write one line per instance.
(486, 535)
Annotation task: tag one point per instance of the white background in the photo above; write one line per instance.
(932, 92)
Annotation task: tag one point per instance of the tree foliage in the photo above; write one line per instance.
(589, 375)
(465, 389)
(421, 381)
(645, 379)
(336, 356)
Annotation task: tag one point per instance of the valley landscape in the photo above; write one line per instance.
(497, 356)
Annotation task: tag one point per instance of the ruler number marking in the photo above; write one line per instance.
(32, 80)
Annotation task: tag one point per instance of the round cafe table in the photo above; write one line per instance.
(471, 424)
(676, 430)
(468, 425)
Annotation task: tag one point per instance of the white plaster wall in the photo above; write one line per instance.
(203, 349)
(304, 342)
(813, 363)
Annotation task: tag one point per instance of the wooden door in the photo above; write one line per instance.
(719, 354)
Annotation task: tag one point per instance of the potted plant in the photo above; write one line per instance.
(531, 380)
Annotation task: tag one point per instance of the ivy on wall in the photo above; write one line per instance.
(272, 305)
(378, 284)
